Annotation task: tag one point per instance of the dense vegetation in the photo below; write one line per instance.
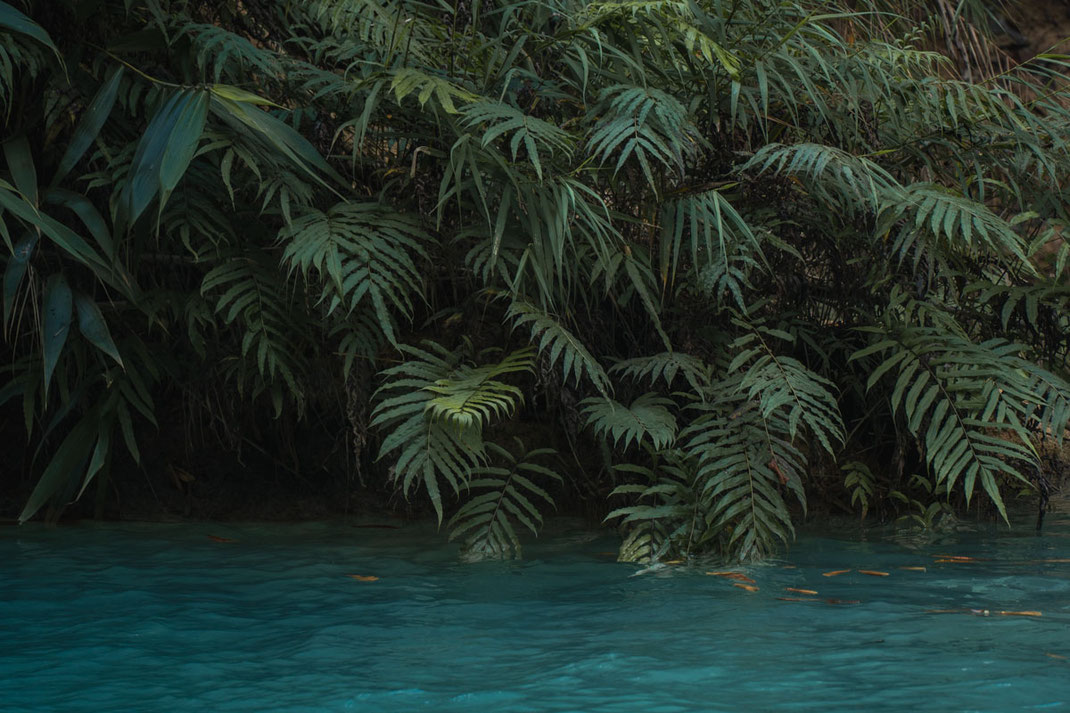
(690, 252)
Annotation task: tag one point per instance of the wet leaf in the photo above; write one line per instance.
(873, 573)
(835, 573)
(800, 591)
(914, 569)
(732, 575)
(748, 587)
(363, 577)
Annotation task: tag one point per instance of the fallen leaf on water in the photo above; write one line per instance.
(800, 591)
(914, 569)
(842, 601)
(798, 599)
(217, 538)
(788, 566)
(956, 558)
(1054, 656)
(983, 612)
(835, 573)
(951, 561)
(363, 577)
(748, 587)
(732, 575)
(674, 561)
(873, 573)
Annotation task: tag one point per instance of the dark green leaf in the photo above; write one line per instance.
(93, 327)
(20, 161)
(89, 124)
(15, 270)
(15, 21)
(58, 306)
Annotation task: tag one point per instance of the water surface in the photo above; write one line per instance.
(131, 617)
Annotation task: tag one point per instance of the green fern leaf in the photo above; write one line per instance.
(561, 344)
(510, 496)
(646, 420)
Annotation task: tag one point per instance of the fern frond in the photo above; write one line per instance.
(365, 254)
(408, 81)
(510, 494)
(248, 294)
(644, 124)
(646, 420)
(224, 53)
(472, 396)
(721, 242)
(961, 400)
(667, 518)
(779, 383)
(834, 176)
(744, 459)
(435, 406)
(529, 131)
(666, 366)
(932, 221)
(556, 342)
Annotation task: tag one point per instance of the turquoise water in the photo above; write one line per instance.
(164, 618)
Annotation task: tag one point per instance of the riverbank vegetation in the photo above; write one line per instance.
(692, 261)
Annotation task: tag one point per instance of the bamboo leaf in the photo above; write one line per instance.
(90, 124)
(56, 323)
(93, 327)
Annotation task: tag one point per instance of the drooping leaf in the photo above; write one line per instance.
(13, 20)
(93, 327)
(57, 305)
(67, 240)
(20, 162)
(64, 466)
(278, 136)
(165, 151)
(85, 210)
(15, 270)
(89, 124)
